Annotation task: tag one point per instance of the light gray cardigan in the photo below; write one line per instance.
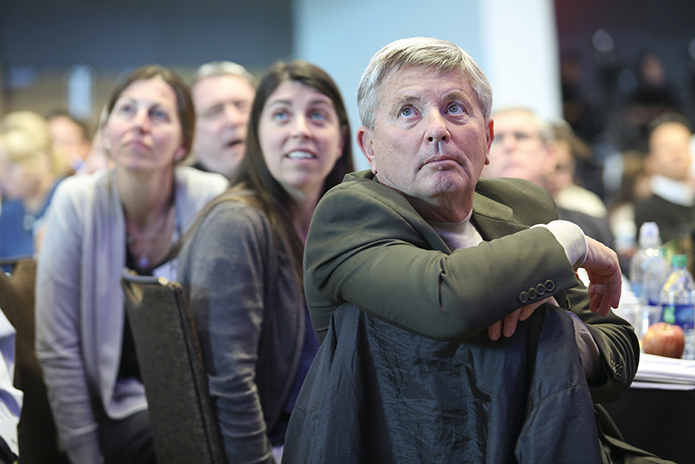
(80, 305)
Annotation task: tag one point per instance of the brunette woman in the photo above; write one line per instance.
(242, 267)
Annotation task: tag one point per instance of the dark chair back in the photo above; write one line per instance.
(183, 419)
(38, 439)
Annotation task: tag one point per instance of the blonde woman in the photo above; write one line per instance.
(30, 176)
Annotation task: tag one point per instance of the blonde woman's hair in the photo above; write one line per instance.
(25, 138)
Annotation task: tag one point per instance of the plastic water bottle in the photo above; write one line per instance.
(656, 271)
(630, 309)
(649, 243)
(678, 301)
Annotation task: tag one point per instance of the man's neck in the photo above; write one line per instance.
(443, 209)
(447, 207)
(215, 166)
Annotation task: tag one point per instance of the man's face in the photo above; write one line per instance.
(430, 140)
(223, 104)
(68, 138)
(563, 175)
(669, 151)
(518, 150)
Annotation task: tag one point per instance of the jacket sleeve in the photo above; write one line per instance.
(363, 250)
(222, 268)
(617, 344)
(58, 344)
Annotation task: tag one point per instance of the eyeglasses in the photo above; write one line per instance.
(518, 136)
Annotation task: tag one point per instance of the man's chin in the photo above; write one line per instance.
(237, 148)
(235, 153)
(446, 182)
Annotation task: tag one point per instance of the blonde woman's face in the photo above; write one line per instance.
(21, 178)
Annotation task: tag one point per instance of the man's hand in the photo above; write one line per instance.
(605, 279)
(508, 324)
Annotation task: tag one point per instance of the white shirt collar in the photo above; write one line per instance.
(673, 190)
(458, 234)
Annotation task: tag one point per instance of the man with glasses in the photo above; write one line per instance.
(525, 147)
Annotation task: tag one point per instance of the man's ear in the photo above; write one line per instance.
(551, 149)
(489, 138)
(365, 140)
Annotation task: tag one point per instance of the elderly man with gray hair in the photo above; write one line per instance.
(222, 94)
(453, 327)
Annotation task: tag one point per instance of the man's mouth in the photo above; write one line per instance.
(441, 160)
(233, 143)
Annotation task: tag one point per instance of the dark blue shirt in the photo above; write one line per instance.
(17, 227)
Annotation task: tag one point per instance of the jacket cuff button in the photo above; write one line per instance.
(540, 289)
(523, 297)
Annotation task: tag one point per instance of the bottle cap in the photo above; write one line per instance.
(649, 235)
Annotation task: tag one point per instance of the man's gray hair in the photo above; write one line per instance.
(439, 55)
(223, 68)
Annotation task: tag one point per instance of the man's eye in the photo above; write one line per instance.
(455, 108)
(243, 106)
(212, 113)
(407, 111)
(520, 136)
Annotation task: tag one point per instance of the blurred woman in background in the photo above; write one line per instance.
(242, 265)
(98, 224)
(30, 175)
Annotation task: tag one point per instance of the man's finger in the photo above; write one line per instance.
(495, 330)
(510, 322)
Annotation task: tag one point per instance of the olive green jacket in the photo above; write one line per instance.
(367, 246)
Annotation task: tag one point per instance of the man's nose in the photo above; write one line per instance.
(506, 140)
(232, 115)
(436, 127)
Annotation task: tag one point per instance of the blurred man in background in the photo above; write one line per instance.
(222, 93)
(672, 204)
(524, 147)
(70, 139)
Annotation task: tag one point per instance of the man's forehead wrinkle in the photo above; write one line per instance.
(456, 94)
(453, 94)
(407, 98)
